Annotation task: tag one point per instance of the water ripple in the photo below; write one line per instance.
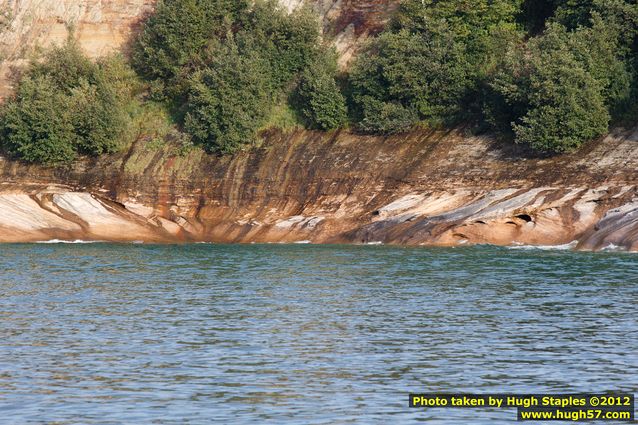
(111, 334)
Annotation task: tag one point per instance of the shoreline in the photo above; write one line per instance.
(568, 248)
(499, 218)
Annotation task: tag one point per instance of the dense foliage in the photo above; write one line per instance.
(227, 100)
(562, 88)
(318, 98)
(231, 62)
(430, 62)
(65, 105)
(552, 73)
(408, 77)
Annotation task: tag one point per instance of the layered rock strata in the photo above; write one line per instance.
(442, 189)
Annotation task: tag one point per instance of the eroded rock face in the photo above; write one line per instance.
(67, 215)
(421, 188)
(546, 216)
(348, 23)
(433, 188)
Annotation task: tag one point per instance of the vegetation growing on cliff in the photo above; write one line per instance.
(227, 100)
(65, 105)
(431, 62)
(318, 98)
(226, 65)
(550, 74)
(561, 88)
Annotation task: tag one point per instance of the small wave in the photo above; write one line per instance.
(375, 243)
(54, 241)
(303, 242)
(565, 247)
(613, 248)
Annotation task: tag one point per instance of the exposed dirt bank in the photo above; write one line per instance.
(421, 189)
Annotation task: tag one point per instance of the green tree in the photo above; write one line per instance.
(431, 63)
(318, 97)
(223, 64)
(174, 40)
(36, 123)
(579, 13)
(386, 117)
(555, 102)
(98, 117)
(567, 111)
(598, 48)
(228, 102)
(476, 24)
(178, 30)
(417, 77)
(467, 19)
(66, 65)
(289, 42)
(66, 105)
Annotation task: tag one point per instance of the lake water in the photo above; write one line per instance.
(301, 334)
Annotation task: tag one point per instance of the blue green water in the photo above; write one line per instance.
(201, 334)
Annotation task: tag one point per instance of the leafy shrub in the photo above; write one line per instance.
(66, 105)
(318, 97)
(97, 116)
(177, 32)
(66, 66)
(598, 48)
(175, 41)
(567, 111)
(37, 123)
(288, 42)
(430, 62)
(386, 117)
(405, 76)
(230, 63)
(556, 103)
(444, 61)
(323, 105)
(228, 101)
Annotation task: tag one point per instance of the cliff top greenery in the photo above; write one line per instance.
(550, 74)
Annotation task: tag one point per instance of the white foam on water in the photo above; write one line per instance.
(375, 243)
(613, 248)
(564, 247)
(303, 242)
(54, 241)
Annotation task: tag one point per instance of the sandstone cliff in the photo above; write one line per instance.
(424, 188)
(435, 189)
